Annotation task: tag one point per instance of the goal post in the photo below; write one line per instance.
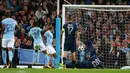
(105, 25)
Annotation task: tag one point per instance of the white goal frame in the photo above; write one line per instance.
(87, 7)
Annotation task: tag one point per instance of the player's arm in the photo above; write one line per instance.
(63, 30)
(44, 39)
(17, 27)
(47, 28)
(3, 28)
(45, 36)
(29, 36)
(77, 35)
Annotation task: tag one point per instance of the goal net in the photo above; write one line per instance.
(107, 26)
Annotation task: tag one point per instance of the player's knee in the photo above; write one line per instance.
(4, 48)
(36, 50)
(54, 55)
(73, 52)
(9, 48)
(45, 51)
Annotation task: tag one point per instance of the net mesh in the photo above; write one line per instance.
(108, 29)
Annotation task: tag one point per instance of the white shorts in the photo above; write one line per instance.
(40, 46)
(6, 43)
(50, 50)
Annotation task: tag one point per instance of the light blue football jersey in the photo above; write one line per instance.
(36, 34)
(49, 38)
(9, 28)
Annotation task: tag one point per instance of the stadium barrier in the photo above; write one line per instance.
(26, 57)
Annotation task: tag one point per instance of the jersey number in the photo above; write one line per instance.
(36, 34)
(95, 62)
(70, 28)
(9, 28)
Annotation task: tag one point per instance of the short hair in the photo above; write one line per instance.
(69, 17)
(7, 13)
(35, 23)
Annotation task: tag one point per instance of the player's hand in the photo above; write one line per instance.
(49, 27)
(44, 4)
(1, 36)
(20, 48)
(63, 29)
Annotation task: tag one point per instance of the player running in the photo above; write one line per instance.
(50, 49)
(8, 40)
(35, 33)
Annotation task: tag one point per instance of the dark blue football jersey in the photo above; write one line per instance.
(90, 48)
(70, 31)
(93, 62)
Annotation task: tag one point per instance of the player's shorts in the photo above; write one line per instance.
(70, 46)
(51, 50)
(6, 43)
(39, 46)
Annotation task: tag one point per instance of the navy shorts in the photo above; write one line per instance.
(70, 46)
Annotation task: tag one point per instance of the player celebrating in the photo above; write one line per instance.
(71, 34)
(8, 40)
(35, 32)
(51, 51)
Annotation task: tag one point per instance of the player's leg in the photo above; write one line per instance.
(4, 55)
(73, 52)
(54, 64)
(10, 54)
(52, 54)
(35, 53)
(35, 57)
(64, 57)
(66, 49)
(10, 51)
(73, 59)
(46, 59)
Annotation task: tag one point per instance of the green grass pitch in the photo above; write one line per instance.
(63, 71)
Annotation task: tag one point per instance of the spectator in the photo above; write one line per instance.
(16, 51)
(12, 11)
(39, 13)
(23, 43)
(50, 6)
(100, 2)
(88, 2)
(29, 44)
(92, 24)
(108, 2)
(0, 44)
(42, 22)
(2, 12)
(30, 24)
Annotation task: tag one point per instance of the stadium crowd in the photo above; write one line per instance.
(113, 29)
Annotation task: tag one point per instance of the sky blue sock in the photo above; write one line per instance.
(4, 56)
(35, 56)
(54, 62)
(10, 54)
(46, 60)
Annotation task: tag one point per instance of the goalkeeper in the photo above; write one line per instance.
(90, 60)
